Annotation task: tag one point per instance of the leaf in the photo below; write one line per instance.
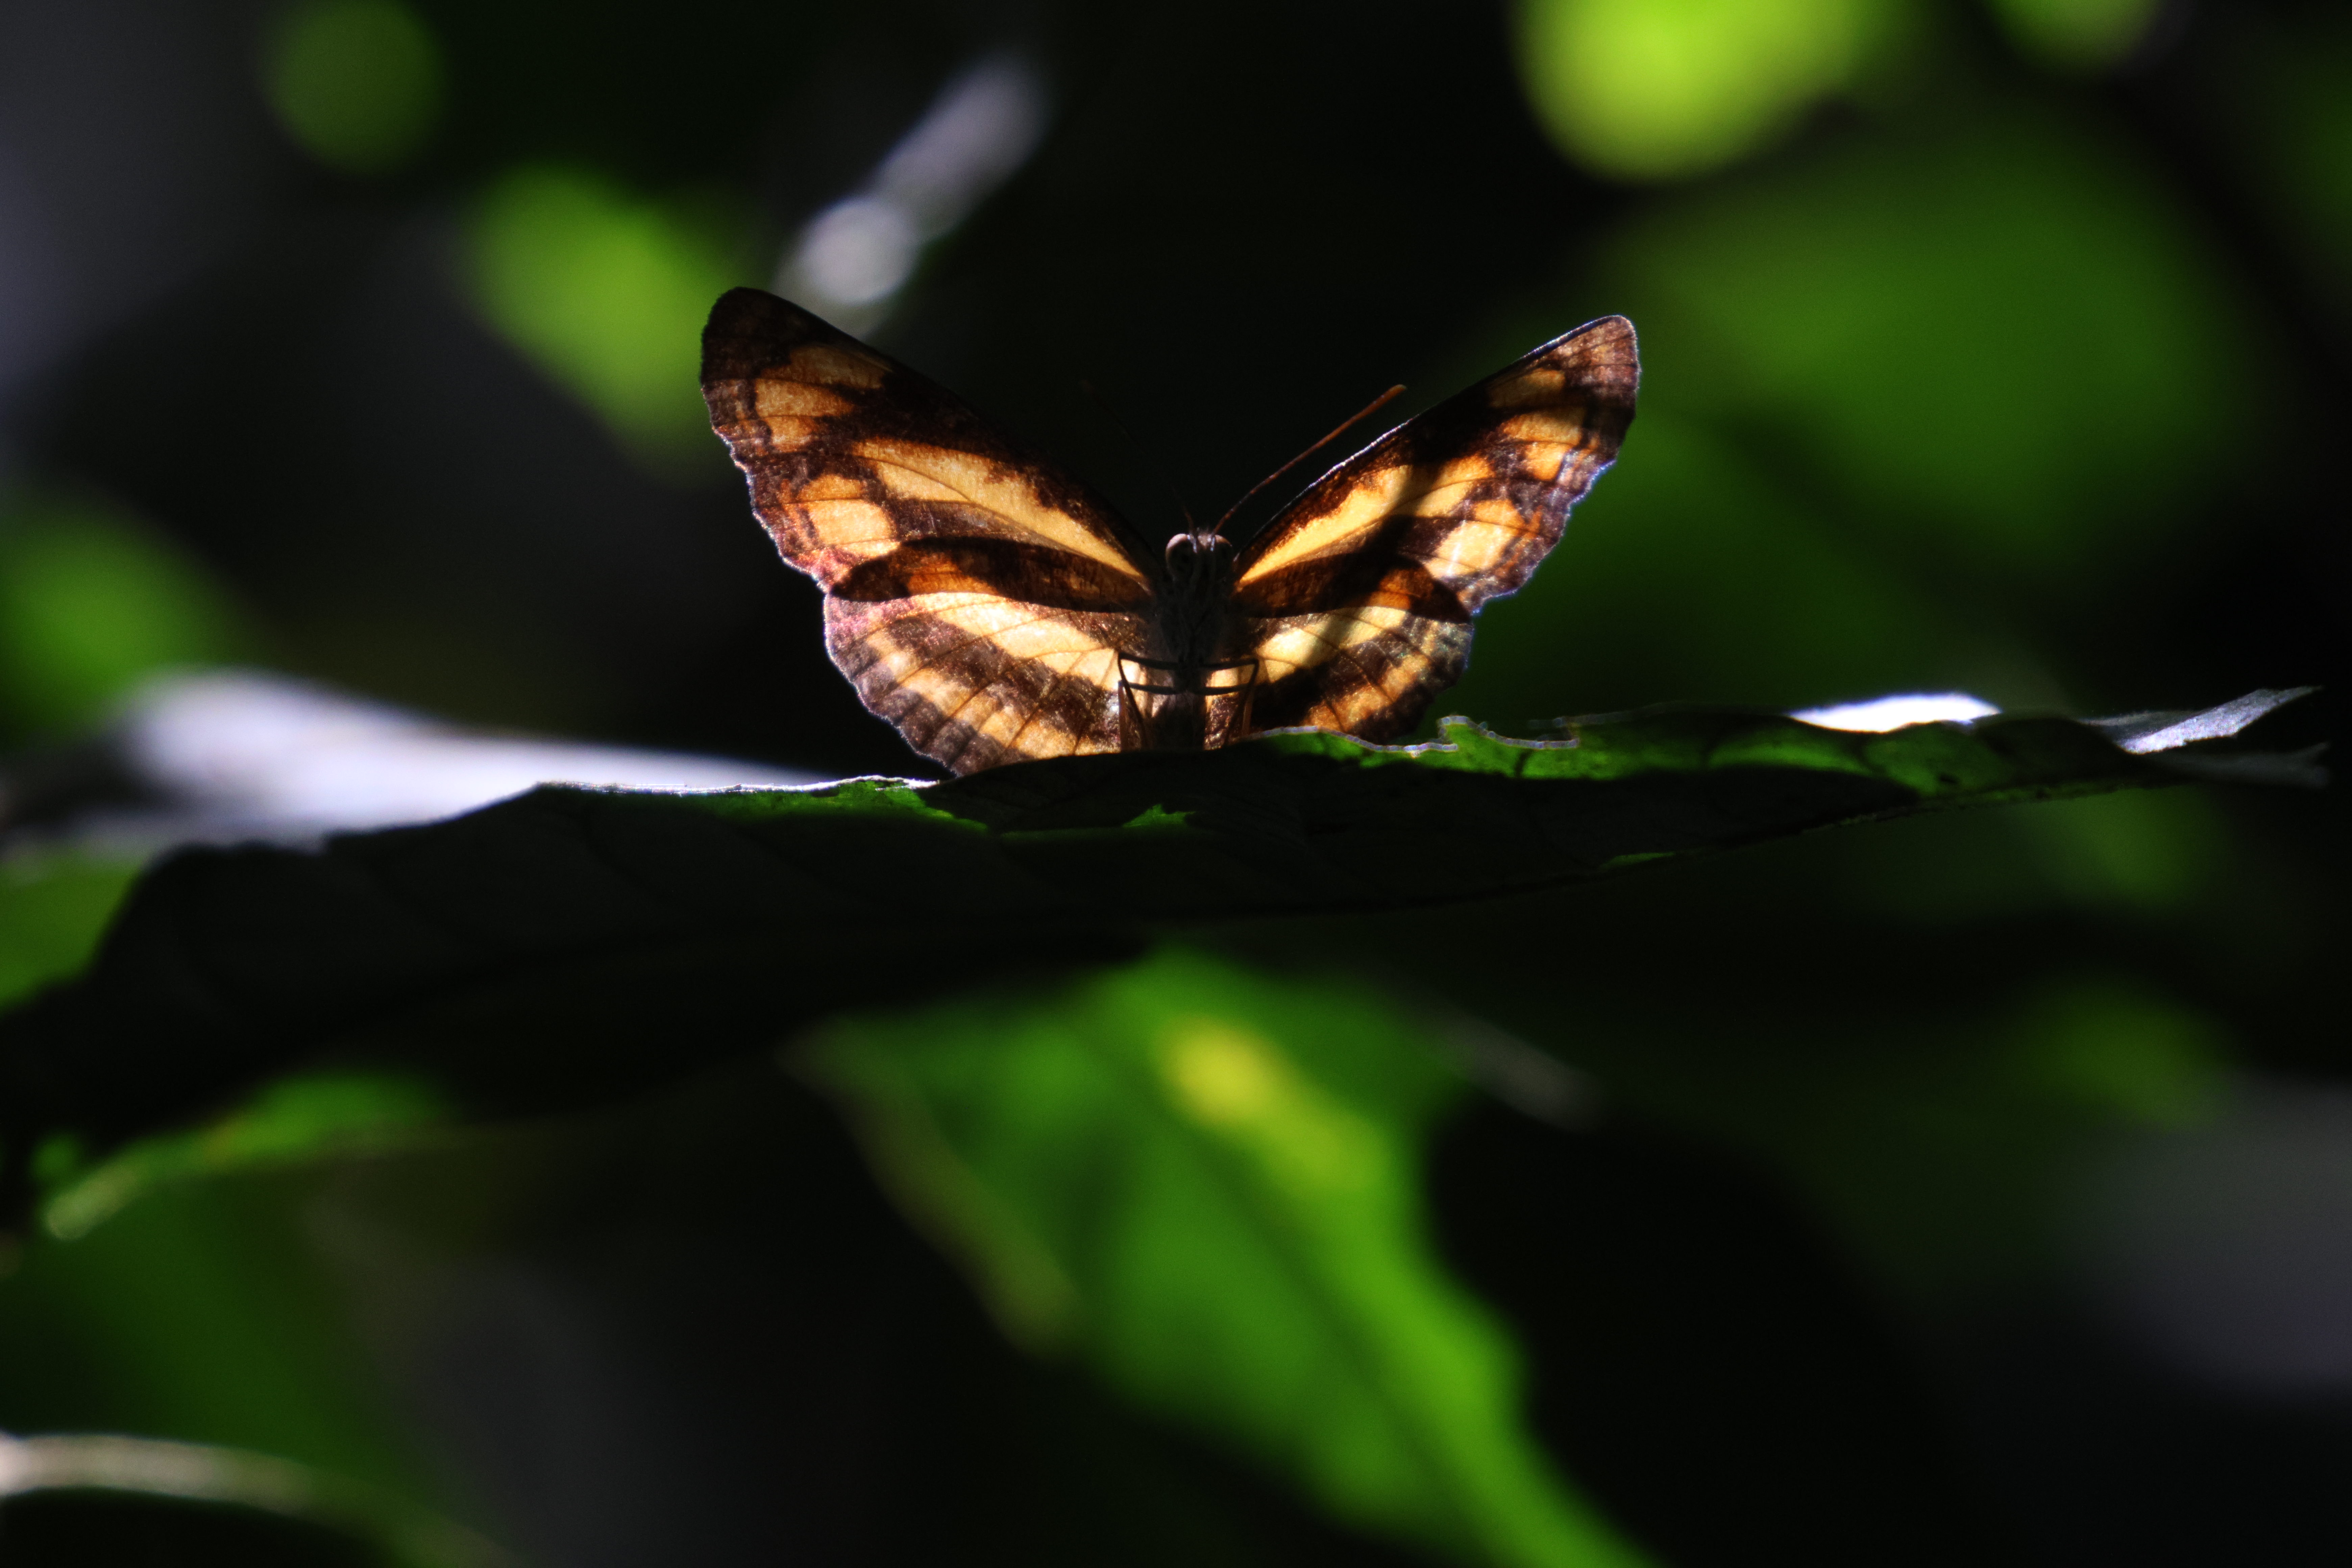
(297, 1118)
(53, 909)
(573, 945)
(1207, 1185)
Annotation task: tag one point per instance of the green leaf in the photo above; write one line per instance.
(1645, 91)
(1207, 1185)
(358, 83)
(606, 292)
(304, 1117)
(53, 909)
(572, 945)
(92, 602)
(2077, 34)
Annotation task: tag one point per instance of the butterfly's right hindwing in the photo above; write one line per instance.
(977, 599)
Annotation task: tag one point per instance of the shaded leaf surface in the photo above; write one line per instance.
(572, 945)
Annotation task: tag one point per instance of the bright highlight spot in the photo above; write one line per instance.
(2141, 733)
(2076, 35)
(357, 83)
(1240, 1084)
(1882, 714)
(607, 293)
(1654, 89)
(243, 753)
(860, 251)
(1223, 1076)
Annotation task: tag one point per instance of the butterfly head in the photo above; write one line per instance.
(1199, 558)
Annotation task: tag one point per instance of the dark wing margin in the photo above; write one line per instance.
(978, 599)
(1357, 598)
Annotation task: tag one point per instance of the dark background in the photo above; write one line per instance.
(1969, 1189)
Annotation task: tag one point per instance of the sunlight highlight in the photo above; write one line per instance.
(1240, 1084)
(1884, 713)
(853, 257)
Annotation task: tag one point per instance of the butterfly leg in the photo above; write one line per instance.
(1132, 726)
(1176, 718)
(1237, 726)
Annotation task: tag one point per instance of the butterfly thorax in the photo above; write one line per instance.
(1180, 688)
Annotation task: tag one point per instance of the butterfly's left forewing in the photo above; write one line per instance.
(1356, 600)
(977, 599)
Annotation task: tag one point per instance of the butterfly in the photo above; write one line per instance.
(995, 610)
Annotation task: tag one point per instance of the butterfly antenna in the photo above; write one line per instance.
(1368, 409)
(1142, 455)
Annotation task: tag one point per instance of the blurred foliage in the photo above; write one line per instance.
(299, 1118)
(1988, 344)
(607, 294)
(358, 83)
(1644, 91)
(2300, 121)
(2133, 1057)
(53, 909)
(92, 601)
(2140, 854)
(1945, 1165)
(198, 1313)
(1198, 1178)
(1663, 89)
(1972, 341)
(1905, 406)
(2078, 34)
(1206, 1183)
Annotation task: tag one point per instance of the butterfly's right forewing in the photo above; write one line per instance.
(977, 599)
(1356, 600)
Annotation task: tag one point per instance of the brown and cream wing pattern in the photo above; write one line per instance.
(977, 599)
(1357, 599)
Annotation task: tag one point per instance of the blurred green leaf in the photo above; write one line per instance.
(575, 944)
(1652, 89)
(305, 1117)
(203, 1313)
(2144, 855)
(2077, 34)
(357, 83)
(606, 292)
(1995, 350)
(53, 909)
(90, 602)
(2138, 1058)
(1206, 1184)
(2297, 109)
(1693, 569)
(2140, 852)
(1940, 1138)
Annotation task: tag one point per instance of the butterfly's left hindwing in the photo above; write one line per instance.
(977, 599)
(1357, 599)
